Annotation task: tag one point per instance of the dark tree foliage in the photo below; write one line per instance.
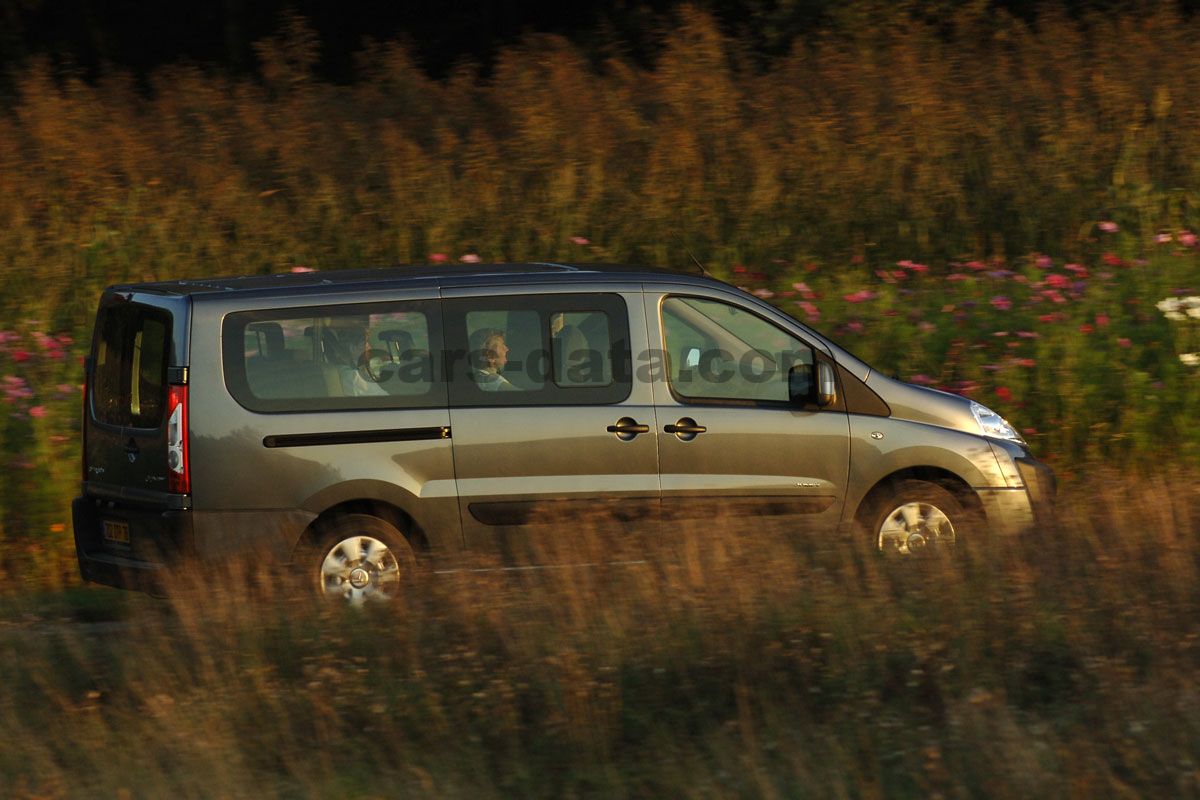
(90, 36)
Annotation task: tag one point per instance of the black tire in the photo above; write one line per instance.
(942, 522)
(345, 561)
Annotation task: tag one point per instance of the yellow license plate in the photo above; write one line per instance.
(116, 531)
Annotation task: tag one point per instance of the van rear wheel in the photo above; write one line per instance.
(359, 559)
(918, 518)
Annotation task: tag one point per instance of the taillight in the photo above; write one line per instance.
(83, 435)
(179, 480)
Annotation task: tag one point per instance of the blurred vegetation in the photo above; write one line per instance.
(1043, 175)
(733, 661)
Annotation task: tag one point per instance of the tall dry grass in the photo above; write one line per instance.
(975, 137)
(736, 661)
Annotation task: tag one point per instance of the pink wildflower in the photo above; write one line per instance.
(954, 277)
(1027, 335)
(810, 310)
(855, 327)
(765, 294)
(1108, 226)
(298, 269)
(1086, 328)
(37, 411)
(977, 265)
(579, 240)
(921, 379)
(439, 258)
(1057, 281)
(469, 258)
(20, 356)
(1102, 320)
(1124, 342)
(861, 296)
(1112, 260)
(1163, 238)
(1187, 238)
(1001, 303)
(1004, 393)
(1045, 262)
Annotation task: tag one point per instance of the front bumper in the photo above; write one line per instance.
(1022, 508)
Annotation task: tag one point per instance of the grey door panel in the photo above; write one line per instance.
(535, 480)
(763, 459)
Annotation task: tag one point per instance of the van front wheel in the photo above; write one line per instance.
(918, 518)
(359, 558)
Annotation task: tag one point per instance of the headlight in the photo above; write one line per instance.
(992, 424)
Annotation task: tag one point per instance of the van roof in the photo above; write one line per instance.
(437, 274)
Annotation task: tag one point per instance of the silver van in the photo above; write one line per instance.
(350, 422)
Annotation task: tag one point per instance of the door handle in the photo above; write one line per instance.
(627, 428)
(686, 429)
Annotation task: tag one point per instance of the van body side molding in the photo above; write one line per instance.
(357, 437)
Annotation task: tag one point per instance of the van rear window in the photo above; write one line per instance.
(333, 358)
(129, 379)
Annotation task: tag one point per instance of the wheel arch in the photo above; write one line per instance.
(392, 514)
(940, 476)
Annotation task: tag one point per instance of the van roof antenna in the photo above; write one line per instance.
(699, 266)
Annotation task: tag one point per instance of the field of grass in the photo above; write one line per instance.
(1003, 210)
(734, 663)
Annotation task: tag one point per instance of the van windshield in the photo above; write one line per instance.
(129, 383)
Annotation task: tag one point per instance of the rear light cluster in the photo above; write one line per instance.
(179, 479)
(83, 423)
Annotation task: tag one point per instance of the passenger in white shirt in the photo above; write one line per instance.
(489, 355)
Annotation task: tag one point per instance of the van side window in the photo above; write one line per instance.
(550, 349)
(720, 352)
(378, 355)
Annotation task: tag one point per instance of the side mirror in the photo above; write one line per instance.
(801, 386)
(826, 385)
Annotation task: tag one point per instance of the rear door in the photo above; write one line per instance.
(138, 347)
(731, 444)
(553, 437)
(133, 351)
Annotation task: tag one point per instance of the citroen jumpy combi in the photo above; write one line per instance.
(344, 422)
